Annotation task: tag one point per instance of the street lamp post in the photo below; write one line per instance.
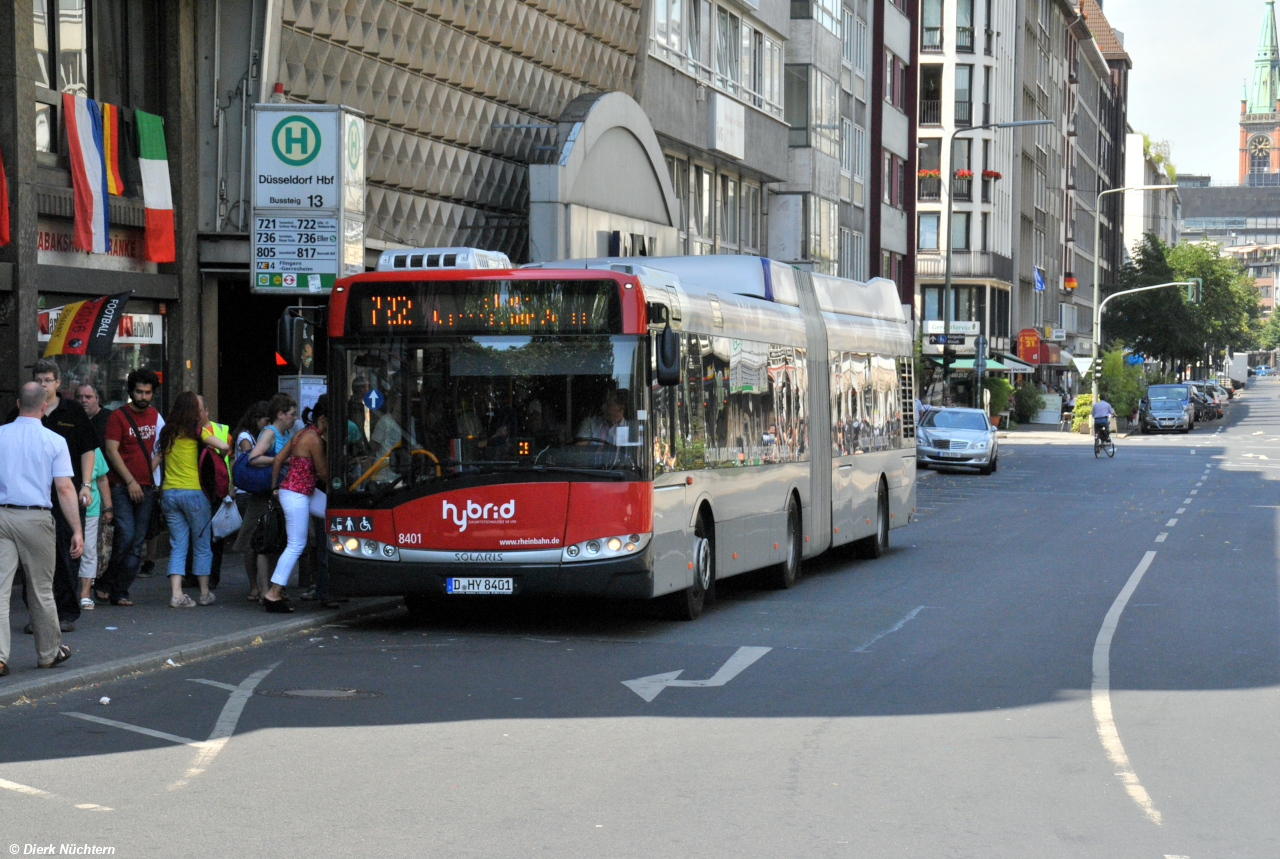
(948, 144)
(1097, 259)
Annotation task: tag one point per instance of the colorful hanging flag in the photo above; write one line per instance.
(88, 172)
(153, 159)
(4, 207)
(111, 147)
(87, 327)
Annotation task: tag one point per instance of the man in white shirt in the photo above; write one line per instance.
(32, 460)
(1102, 412)
(608, 427)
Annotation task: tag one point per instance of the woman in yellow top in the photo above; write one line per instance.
(186, 509)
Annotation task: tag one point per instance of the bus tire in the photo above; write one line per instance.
(422, 606)
(785, 575)
(688, 603)
(878, 543)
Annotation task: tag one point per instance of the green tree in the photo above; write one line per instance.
(1121, 383)
(1267, 332)
(1162, 323)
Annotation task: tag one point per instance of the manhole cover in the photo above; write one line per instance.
(324, 694)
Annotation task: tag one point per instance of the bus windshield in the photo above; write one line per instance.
(425, 413)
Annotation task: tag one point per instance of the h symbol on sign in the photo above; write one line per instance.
(290, 140)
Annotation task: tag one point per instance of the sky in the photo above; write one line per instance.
(1191, 59)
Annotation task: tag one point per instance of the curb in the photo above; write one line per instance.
(63, 681)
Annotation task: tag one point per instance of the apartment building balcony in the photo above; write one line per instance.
(930, 111)
(933, 265)
(964, 113)
(962, 189)
(930, 40)
(964, 40)
(930, 189)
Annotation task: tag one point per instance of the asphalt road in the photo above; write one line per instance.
(990, 688)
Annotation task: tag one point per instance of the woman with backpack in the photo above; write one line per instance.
(307, 469)
(185, 505)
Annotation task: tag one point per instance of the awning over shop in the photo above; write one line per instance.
(1016, 366)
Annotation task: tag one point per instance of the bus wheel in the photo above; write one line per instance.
(688, 603)
(878, 543)
(785, 574)
(422, 606)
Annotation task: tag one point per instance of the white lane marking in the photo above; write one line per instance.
(1186, 501)
(1195, 491)
(1171, 523)
(1181, 510)
(1201, 483)
(137, 729)
(1162, 536)
(1102, 714)
(225, 727)
(891, 630)
(1192, 451)
(44, 794)
(215, 683)
(22, 788)
(650, 687)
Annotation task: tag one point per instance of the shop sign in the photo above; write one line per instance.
(1057, 335)
(938, 326)
(124, 249)
(308, 197)
(728, 126)
(1029, 346)
(136, 329)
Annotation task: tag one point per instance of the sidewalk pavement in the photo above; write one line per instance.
(114, 641)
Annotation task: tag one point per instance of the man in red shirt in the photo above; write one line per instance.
(131, 436)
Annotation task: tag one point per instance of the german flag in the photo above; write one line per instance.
(1070, 281)
(87, 327)
(111, 147)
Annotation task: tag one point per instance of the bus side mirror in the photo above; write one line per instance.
(668, 357)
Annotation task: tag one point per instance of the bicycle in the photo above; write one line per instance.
(1102, 440)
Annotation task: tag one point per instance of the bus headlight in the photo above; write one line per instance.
(605, 547)
(357, 547)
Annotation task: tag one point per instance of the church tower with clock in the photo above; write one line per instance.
(1260, 111)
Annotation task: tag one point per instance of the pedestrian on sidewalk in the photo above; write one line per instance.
(35, 466)
(252, 506)
(96, 517)
(87, 395)
(282, 412)
(67, 418)
(131, 436)
(186, 509)
(216, 544)
(307, 467)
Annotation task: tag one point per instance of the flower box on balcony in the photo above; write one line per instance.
(964, 174)
(929, 174)
(991, 174)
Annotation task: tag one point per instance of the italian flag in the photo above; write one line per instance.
(153, 160)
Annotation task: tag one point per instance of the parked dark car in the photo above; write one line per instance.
(1169, 408)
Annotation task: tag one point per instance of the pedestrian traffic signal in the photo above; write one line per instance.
(1195, 289)
(948, 357)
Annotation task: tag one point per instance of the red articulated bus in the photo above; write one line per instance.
(631, 428)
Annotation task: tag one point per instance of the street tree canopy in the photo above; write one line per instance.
(1162, 323)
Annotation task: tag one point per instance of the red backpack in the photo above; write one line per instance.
(214, 479)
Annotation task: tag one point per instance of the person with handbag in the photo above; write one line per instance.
(253, 472)
(251, 504)
(131, 435)
(186, 508)
(307, 468)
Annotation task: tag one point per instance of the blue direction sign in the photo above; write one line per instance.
(374, 399)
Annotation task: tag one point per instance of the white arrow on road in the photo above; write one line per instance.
(650, 687)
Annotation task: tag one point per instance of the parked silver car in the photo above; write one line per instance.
(957, 437)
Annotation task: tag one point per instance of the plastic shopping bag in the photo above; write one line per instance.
(226, 520)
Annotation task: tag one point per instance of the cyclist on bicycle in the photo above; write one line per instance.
(1102, 413)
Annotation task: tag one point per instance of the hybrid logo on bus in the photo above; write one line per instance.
(497, 514)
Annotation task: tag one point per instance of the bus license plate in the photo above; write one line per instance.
(479, 586)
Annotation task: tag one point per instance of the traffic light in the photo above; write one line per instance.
(1195, 289)
(948, 357)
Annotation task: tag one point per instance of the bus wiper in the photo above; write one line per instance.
(575, 469)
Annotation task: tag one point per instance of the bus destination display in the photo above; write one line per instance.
(492, 307)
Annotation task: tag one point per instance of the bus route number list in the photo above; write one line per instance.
(295, 244)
